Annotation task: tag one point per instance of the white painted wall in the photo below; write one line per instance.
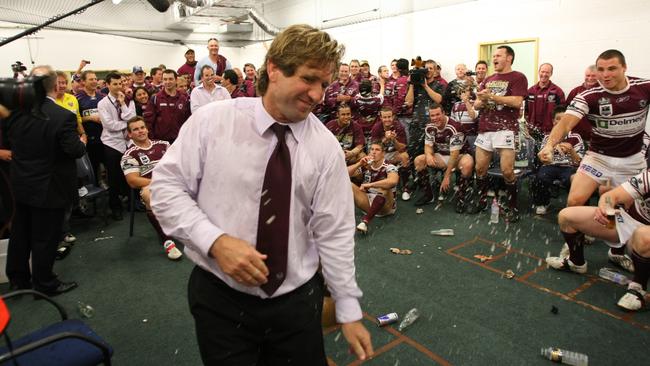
(571, 32)
(64, 49)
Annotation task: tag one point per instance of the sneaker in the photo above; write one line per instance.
(69, 238)
(441, 197)
(541, 210)
(424, 200)
(62, 251)
(565, 264)
(362, 227)
(511, 215)
(172, 252)
(460, 206)
(633, 298)
(406, 195)
(477, 205)
(621, 260)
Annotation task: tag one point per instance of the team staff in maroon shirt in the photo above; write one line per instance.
(583, 128)
(167, 110)
(542, 99)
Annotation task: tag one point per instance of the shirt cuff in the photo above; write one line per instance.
(204, 235)
(348, 310)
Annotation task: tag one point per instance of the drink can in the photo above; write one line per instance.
(386, 319)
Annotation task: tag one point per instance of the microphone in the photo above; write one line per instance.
(160, 5)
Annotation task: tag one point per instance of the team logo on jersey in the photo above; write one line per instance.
(605, 110)
(604, 100)
(180, 105)
(144, 159)
(643, 103)
(634, 182)
(551, 98)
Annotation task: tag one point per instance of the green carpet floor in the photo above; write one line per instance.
(470, 313)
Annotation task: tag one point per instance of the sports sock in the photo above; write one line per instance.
(576, 248)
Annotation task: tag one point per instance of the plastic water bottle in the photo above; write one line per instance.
(565, 357)
(409, 318)
(85, 310)
(494, 211)
(611, 275)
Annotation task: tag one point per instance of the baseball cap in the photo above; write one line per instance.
(189, 51)
(137, 69)
(364, 63)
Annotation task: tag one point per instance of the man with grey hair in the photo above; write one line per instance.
(541, 100)
(583, 128)
(44, 145)
(258, 236)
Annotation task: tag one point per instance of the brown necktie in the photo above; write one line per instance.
(273, 222)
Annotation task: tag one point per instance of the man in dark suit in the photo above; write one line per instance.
(43, 178)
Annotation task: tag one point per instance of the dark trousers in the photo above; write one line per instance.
(234, 328)
(37, 231)
(545, 177)
(116, 181)
(95, 152)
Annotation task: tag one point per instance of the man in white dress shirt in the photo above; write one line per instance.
(114, 112)
(255, 303)
(207, 91)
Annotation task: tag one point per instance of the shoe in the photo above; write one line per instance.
(172, 252)
(63, 251)
(441, 197)
(511, 215)
(406, 195)
(69, 238)
(460, 206)
(426, 199)
(479, 205)
(621, 260)
(58, 290)
(362, 227)
(541, 210)
(14, 286)
(564, 252)
(565, 264)
(633, 299)
(117, 216)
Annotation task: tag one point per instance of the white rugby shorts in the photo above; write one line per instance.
(489, 141)
(602, 168)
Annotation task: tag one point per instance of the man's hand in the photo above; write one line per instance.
(5, 155)
(120, 98)
(365, 186)
(484, 95)
(390, 135)
(239, 260)
(84, 138)
(444, 186)
(348, 154)
(546, 154)
(359, 339)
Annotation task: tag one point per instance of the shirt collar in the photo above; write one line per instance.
(263, 121)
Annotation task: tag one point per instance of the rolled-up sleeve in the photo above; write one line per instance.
(332, 225)
(174, 190)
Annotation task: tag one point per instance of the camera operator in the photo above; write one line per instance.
(424, 90)
(44, 144)
(19, 70)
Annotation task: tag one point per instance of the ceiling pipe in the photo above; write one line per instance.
(263, 23)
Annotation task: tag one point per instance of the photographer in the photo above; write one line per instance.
(19, 70)
(424, 90)
(44, 145)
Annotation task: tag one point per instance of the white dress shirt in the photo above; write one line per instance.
(201, 96)
(209, 183)
(114, 117)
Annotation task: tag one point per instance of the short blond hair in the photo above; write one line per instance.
(298, 45)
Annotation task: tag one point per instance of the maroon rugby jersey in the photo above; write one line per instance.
(371, 175)
(367, 110)
(378, 133)
(142, 161)
(351, 88)
(583, 127)
(639, 188)
(618, 118)
(349, 136)
(498, 117)
(459, 113)
(448, 139)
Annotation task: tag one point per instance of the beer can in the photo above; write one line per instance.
(386, 319)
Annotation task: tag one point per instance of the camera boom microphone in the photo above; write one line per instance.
(160, 5)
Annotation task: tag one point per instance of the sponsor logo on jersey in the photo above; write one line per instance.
(634, 182)
(622, 99)
(605, 110)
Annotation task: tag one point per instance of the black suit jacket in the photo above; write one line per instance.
(43, 169)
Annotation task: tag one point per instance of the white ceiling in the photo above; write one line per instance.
(138, 19)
